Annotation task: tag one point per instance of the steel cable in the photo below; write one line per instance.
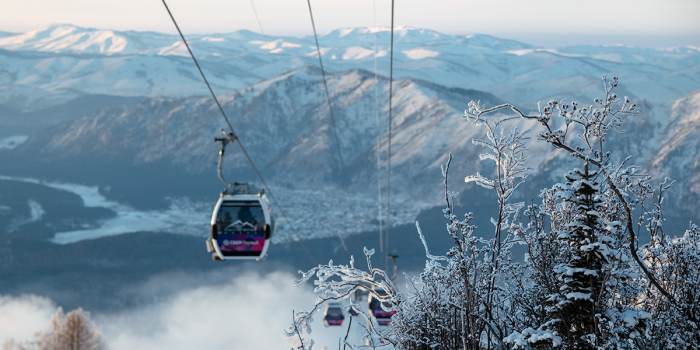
(291, 111)
(388, 164)
(274, 61)
(335, 133)
(376, 111)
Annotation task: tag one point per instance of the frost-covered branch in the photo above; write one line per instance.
(584, 282)
(595, 122)
(339, 282)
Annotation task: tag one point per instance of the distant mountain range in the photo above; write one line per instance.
(283, 119)
(52, 65)
(284, 124)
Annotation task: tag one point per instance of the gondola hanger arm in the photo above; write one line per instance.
(393, 257)
(229, 137)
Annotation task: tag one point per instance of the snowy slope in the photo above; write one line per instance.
(284, 124)
(678, 155)
(51, 65)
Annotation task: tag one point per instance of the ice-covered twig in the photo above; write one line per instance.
(339, 282)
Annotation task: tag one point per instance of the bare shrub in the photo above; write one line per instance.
(72, 331)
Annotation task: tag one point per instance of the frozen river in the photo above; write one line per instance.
(313, 214)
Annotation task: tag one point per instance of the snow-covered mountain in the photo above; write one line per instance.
(284, 124)
(678, 154)
(52, 65)
(283, 118)
(5, 34)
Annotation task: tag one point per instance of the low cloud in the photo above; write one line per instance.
(248, 312)
(21, 317)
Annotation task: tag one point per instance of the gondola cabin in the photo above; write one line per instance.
(241, 227)
(333, 316)
(375, 308)
(359, 297)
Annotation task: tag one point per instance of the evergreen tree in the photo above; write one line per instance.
(589, 251)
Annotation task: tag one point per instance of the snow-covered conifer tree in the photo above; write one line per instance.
(586, 253)
(589, 250)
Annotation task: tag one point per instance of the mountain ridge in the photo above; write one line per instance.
(292, 111)
(73, 61)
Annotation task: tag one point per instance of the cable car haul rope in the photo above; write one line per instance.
(242, 222)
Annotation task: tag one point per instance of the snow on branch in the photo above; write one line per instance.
(583, 282)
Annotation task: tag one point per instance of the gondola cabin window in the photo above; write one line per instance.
(333, 316)
(240, 228)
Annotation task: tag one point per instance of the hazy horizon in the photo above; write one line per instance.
(548, 40)
(648, 23)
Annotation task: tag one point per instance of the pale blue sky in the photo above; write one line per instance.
(653, 23)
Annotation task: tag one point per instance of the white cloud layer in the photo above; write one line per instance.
(248, 312)
(21, 317)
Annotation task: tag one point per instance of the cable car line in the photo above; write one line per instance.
(291, 110)
(335, 224)
(261, 28)
(388, 164)
(335, 133)
(274, 61)
(232, 136)
(199, 68)
(376, 110)
(262, 31)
